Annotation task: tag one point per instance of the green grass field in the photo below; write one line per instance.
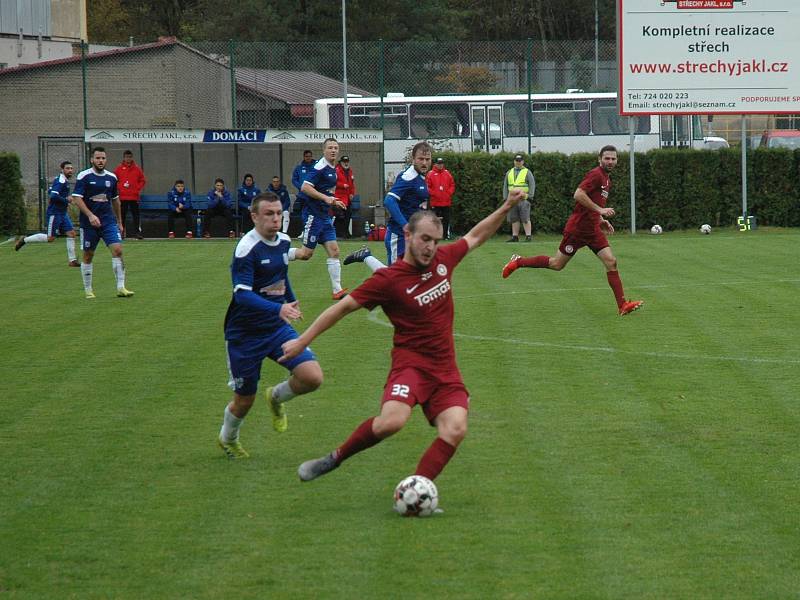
(650, 456)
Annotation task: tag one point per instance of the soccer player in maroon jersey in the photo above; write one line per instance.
(585, 227)
(415, 294)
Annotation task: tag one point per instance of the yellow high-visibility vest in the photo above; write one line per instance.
(521, 181)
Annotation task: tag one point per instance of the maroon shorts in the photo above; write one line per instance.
(435, 392)
(574, 241)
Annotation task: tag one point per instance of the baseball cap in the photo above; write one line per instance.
(519, 157)
(440, 160)
(345, 158)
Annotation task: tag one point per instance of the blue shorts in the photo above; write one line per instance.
(58, 223)
(108, 232)
(246, 355)
(395, 246)
(317, 230)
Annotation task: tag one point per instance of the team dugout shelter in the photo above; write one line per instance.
(199, 156)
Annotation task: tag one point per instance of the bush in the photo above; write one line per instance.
(12, 196)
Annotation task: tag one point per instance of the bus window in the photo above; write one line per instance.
(368, 116)
(606, 119)
(516, 119)
(439, 121)
(560, 118)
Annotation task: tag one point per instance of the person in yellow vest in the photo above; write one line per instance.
(520, 177)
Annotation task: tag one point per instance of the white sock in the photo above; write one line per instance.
(335, 271)
(119, 271)
(36, 238)
(373, 263)
(230, 426)
(283, 392)
(291, 254)
(285, 225)
(86, 272)
(71, 249)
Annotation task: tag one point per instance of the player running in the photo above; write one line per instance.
(96, 197)
(585, 228)
(57, 216)
(415, 294)
(317, 197)
(257, 323)
(408, 195)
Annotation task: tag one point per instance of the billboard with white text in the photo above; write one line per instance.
(709, 56)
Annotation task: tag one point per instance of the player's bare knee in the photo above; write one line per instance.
(556, 265)
(453, 432)
(309, 377)
(384, 426)
(51, 239)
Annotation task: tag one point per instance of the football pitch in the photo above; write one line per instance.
(649, 456)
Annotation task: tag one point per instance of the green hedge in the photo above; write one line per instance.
(12, 195)
(678, 189)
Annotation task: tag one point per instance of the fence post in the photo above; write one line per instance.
(529, 61)
(83, 75)
(381, 91)
(232, 50)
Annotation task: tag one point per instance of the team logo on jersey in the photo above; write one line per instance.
(569, 249)
(441, 270)
(108, 184)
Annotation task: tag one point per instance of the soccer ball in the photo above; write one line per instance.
(705, 229)
(416, 496)
(656, 229)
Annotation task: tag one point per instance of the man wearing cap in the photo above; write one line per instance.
(520, 177)
(441, 187)
(345, 190)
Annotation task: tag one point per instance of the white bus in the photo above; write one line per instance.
(568, 123)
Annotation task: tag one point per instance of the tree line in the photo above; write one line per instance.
(309, 20)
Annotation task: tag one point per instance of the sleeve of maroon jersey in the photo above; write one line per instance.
(372, 292)
(452, 254)
(591, 182)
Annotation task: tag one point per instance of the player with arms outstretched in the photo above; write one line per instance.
(57, 216)
(408, 195)
(257, 323)
(97, 198)
(415, 294)
(586, 227)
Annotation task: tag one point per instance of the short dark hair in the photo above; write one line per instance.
(276, 176)
(421, 147)
(246, 175)
(607, 148)
(64, 163)
(219, 180)
(418, 216)
(98, 149)
(263, 197)
(334, 140)
(177, 181)
(308, 152)
(127, 153)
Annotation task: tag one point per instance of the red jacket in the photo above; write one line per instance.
(345, 184)
(441, 187)
(130, 182)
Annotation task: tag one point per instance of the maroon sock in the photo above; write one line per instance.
(616, 285)
(361, 439)
(535, 262)
(435, 458)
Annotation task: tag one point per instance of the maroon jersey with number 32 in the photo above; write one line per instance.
(419, 303)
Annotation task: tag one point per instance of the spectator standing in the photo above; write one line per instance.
(246, 193)
(300, 174)
(441, 187)
(277, 188)
(131, 182)
(345, 190)
(219, 205)
(519, 177)
(179, 200)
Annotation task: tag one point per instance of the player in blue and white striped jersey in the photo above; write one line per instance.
(58, 220)
(408, 195)
(98, 200)
(258, 323)
(317, 196)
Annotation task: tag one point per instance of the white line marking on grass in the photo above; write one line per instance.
(11, 239)
(633, 287)
(373, 317)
